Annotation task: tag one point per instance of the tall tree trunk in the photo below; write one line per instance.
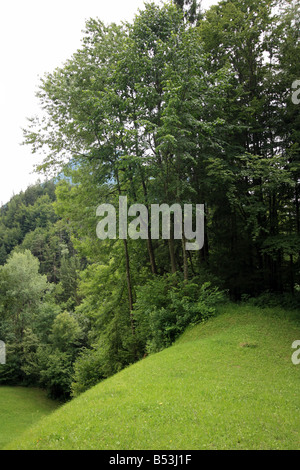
(292, 278)
(151, 253)
(297, 208)
(129, 285)
(185, 261)
(128, 276)
(149, 240)
(140, 167)
(172, 251)
(204, 252)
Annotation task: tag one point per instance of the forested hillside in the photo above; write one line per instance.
(178, 107)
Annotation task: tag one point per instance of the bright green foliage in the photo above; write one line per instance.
(48, 362)
(24, 213)
(69, 279)
(191, 9)
(52, 362)
(163, 110)
(65, 332)
(175, 107)
(166, 306)
(21, 290)
(88, 370)
(55, 375)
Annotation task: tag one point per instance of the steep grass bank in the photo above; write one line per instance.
(226, 384)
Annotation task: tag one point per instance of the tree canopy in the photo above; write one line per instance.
(180, 107)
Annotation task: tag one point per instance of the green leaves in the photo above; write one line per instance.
(173, 108)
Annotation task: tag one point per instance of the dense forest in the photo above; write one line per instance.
(181, 107)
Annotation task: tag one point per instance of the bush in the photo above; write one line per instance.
(115, 349)
(87, 371)
(166, 305)
(56, 372)
(270, 299)
(11, 373)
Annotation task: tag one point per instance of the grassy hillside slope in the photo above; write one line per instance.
(20, 408)
(226, 384)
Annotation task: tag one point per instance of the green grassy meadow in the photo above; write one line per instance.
(228, 383)
(20, 408)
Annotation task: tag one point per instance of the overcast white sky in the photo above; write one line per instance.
(36, 37)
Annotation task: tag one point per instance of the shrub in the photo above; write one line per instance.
(11, 373)
(56, 372)
(270, 299)
(115, 349)
(165, 306)
(87, 371)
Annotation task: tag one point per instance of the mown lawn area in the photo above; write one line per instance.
(20, 408)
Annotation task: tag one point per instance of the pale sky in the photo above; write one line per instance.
(35, 38)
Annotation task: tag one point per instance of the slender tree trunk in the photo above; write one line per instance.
(185, 261)
(204, 252)
(297, 208)
(129, 285)
(292, 279)
(128, 275)
(151, 253)
(191, 263)
(172, 252)
(149, 240)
